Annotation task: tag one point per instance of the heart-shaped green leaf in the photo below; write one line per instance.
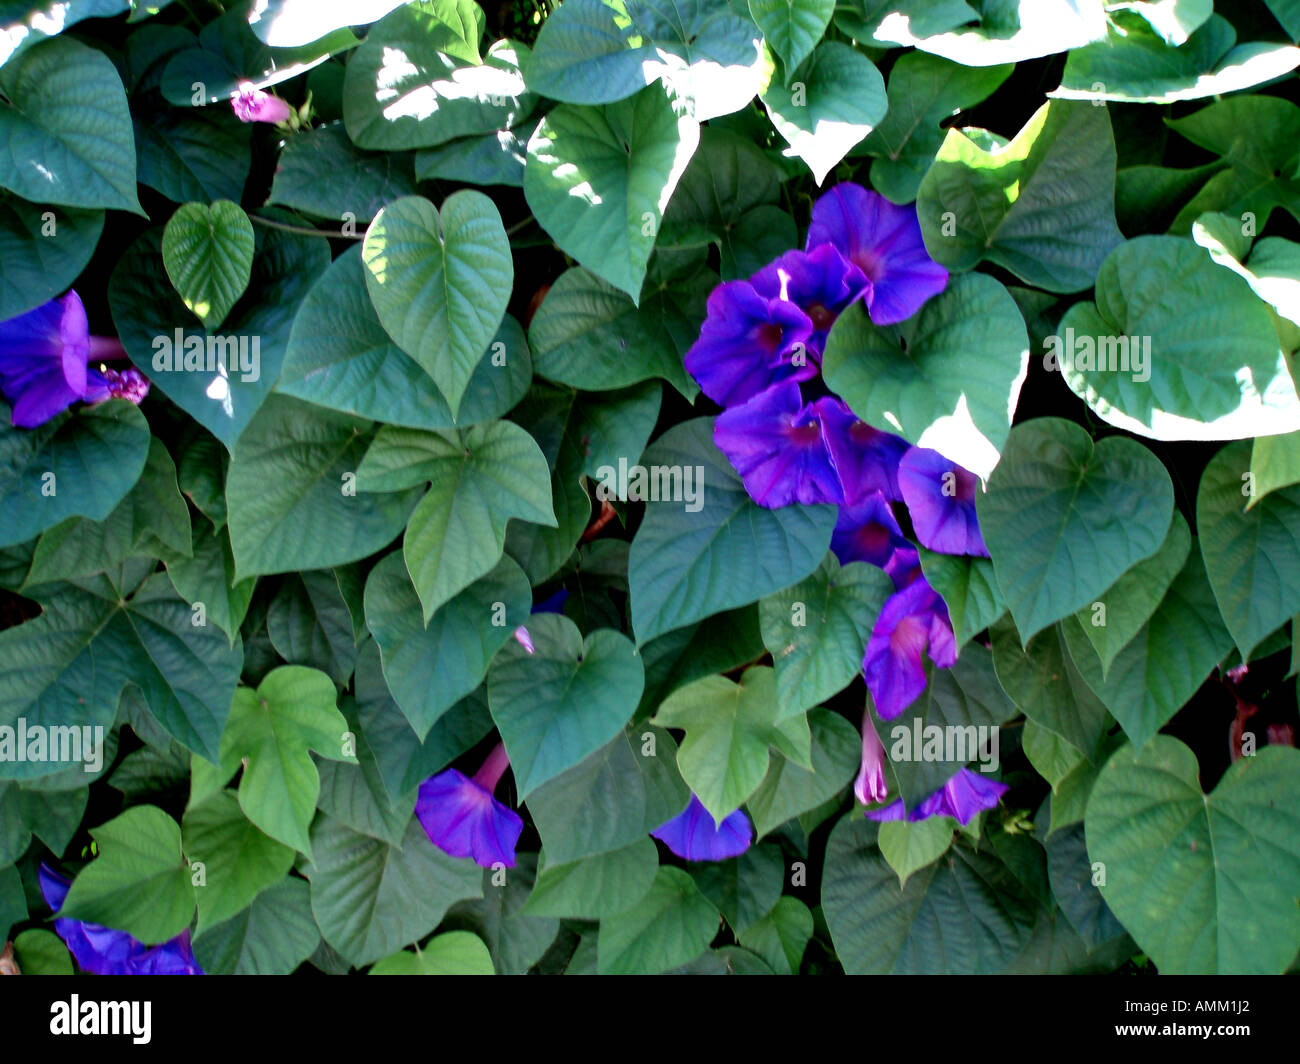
(440, 282)
(65, 130)
(729, 727)
(948, 378)
(598, 180)
(563, 702)
(1228, 862)
(208, 253)
(1063, 518)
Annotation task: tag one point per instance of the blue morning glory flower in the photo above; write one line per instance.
(777, 444)
(463, 819)
(884, 241)
(940, 497)
(748, 342)
(43, 363)
(104, 951)
(967, 793)
(865, 458)
(868, 532)
(913, 622)
(693, 835)
(819, 281)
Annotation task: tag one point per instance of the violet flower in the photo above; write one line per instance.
(693, 835)
(966, 794)
(251, 104)
(884, 241)
(748, 342)
(912, 622)
(778, 446)
(104, 951)
(870, 786)
(43, 363)
(463, 819)
(819, 281)
(940, 497)
(868, 532)
(865, 458)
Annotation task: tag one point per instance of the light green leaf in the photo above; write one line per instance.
(140, 882)
(451, 953)
(1041, 206)
(273, 936)
(239, 861)
(781, 936)
(440, 282)
(597, 886)
(910, 846)
(947, 378)
(273, 731)
(208, 253)
(792, 28)
(598, 180)
(969, 590)
(729, 727)
(834, 100)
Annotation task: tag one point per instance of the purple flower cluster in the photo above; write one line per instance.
(791, 441)
(103, 951)
(44, 363)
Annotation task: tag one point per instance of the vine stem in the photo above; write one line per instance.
(303, 230)
(519, 225)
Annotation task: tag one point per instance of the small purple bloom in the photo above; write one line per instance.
(940, 497)
(748, 342)
(884, 241)
(251, 104)
(913, 621)
(462, 818)
(43, 363)
(778, 446)
(821, 282)
(103, 951)
(870, 786)
(966, 794)
(692, 834)
(867, 532)
(866, 458)
(903, 567)
(524, 639)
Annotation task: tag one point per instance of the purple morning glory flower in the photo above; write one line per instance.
(940, 497)
(967, 793)
(251, 104)
(103, 951)
(748, 342)
(553, 604)
(778, 446)
(866, 458)
(821, 282)
(884, 241)
(462, 818)
(867, 532)
(912, 621)
(43, 363)
(903, 567)
(870, 786)
(692, 834)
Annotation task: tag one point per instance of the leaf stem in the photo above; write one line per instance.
(302, 230)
